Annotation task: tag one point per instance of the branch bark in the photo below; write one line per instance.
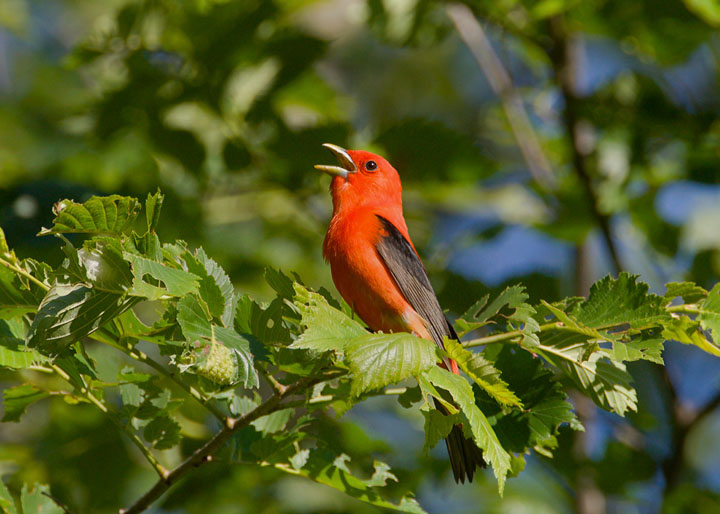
(204, 453)
(473, 35)
(563, 58)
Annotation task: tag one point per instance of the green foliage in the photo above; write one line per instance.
(214, 345)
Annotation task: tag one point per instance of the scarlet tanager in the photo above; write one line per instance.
(377, 270)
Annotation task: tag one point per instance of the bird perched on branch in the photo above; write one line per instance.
(378, 272)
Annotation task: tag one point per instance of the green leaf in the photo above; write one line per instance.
(620, 301)
(709, 316)
(39, 501)
(326, 328)
(377, 360)
(17, 399)
(638, 349)
(171, 281)
(274, 422)
(215, 286)
(7, 502)
(687, 331)
(482, 372)
(196, 326)
(18, 295)
(688, 291)
(14, 354)
(101, 260)
(521, 317)
(153, 206)
(475, 424)
(606, 381)
(545, 403)
(112, 214)
(437, 426)
(67, 314)
(162, 432)
(325, 467)
(281, 283)
(706, 10)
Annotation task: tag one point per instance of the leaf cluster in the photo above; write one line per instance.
(269, 372)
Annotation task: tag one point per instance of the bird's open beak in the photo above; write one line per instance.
(346, 167)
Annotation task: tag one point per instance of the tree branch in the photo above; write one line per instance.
(563, 62)
(84, 391)
(204, 454)
(473, 35)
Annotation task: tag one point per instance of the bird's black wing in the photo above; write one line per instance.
(410, 276)
(409, 273)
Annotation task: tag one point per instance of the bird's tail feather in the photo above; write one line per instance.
(465, 456)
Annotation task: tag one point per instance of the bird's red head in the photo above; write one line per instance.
(362, 179)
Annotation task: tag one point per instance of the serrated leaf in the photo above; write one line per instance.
(521, 316)
(326, 328)
(17, 399)
(620, 301)
(325, 467)
(687, 331)
(223, 282)
(153, 206)
(39, 501)
(67, 314)
(101, 260)
(14, 354)
(437, 426)
(604, 380)
(475, 424)
(7, 502)
(377, 360)
(18, 295)
(709, 316)
(267, 324)
(171, 281)
(638, 349)
(162, 432)
(112, 214)
(274, 422)
(482, 372)
(195, 324)
(545, 403)
(280, 282)
(688, 291)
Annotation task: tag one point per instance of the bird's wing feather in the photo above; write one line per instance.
(409, 273)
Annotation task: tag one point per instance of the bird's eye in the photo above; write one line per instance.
(371, 166)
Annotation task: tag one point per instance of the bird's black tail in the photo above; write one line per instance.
(465, 456)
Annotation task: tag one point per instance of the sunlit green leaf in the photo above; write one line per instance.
(39, 501)
(330, 469)
(112, 214)
(482, 372)
(326, 327)
(377, 360)
(14, 354)
(475, 424)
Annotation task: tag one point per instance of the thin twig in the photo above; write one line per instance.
(205, 453)
(105, 336)
(563, 63)
(21, 271)
(84, 391)
(473, 35)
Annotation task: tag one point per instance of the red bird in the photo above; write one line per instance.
(377, 270)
